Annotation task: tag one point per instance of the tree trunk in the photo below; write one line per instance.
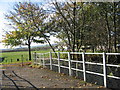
(29, 48)
(109, 32)
(93, 49)
(74, 26)
(49, 44)
(114, 28)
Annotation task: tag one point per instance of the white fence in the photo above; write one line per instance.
(41, 58)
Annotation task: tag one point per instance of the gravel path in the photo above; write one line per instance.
(43, 78)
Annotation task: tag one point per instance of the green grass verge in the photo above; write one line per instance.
(11, 57)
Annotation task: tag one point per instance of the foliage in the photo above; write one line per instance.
(75, 24)
(94, 24)
(11, 38)
(25, 31)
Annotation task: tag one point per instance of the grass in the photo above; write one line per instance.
(11, 57)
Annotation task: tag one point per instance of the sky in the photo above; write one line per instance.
(7, 5)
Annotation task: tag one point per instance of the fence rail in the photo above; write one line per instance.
(41, 58)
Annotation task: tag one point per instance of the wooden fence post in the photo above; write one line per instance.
(22, 59)
(50, 61)
(104, 69)
(58, 62)
(11, 60)
(70, 72)
(76, 70)
(40, 62)
(84, 71)
(35, 57)
(43, 61)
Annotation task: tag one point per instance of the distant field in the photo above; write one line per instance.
(13, 56)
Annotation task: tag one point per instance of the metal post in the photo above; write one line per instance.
(58, 62)
(104, 70)
(84, 71)
(70, 72)
(50, 61)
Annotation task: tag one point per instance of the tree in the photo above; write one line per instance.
(12, 38)
(65, 16)
(82, 24)
(25, 31)
(109, 12)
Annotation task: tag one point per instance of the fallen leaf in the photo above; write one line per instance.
(55, 85)
(90, 85)
(72, 87)
(95, 82)
(50, 79)
(101, 87)
(84, 85)
(66, 79)
(75, 77)
(41, 76)
(43, 87)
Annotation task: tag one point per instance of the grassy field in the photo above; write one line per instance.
(11, 57)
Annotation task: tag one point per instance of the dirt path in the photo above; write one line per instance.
(42, 78)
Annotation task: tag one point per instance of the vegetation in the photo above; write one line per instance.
(14, 56)
(88, 24)
(75, 24)
(23, 19)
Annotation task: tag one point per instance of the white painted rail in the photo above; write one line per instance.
(40, 58)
